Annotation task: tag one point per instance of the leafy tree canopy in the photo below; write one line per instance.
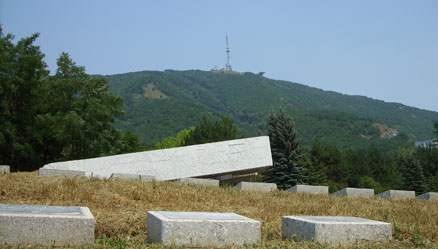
(207, 132)
(50, 118)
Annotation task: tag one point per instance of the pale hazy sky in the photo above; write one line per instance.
(383, 49)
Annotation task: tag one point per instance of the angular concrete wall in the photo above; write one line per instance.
(201, 229)
(310, 189)
(355, 192)
(397, 194)
(334, 229)
(256, 186)
(429, 196)
(238, 156)
(199, 181)
(46, 225)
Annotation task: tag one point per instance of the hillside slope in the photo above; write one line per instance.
(159, 104)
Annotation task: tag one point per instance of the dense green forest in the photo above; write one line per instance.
(159, 104)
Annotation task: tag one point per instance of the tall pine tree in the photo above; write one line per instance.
(412, 171)
(286, 171)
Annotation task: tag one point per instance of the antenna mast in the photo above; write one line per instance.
(228, 65)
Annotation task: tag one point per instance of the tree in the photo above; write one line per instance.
(22, 73)
(76, 116)
(286, 170)
(436, 129)
(206, 132)
(171, 142)
(317, 168)
(412, 171)
(50, 118)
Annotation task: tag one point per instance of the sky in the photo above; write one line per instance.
(386, 50)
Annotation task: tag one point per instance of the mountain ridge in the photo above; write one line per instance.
(248, 98)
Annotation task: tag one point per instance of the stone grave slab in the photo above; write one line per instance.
(201, 229)
(334, 229)
(355, 192)
(308, 189)
(61, 173)
(46, 225)
(143, 178)
(199, 181)
(256, 186)
(397, 194)
(238, 156)
(4, 169)
(433, 196)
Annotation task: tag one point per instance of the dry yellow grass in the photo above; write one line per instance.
(119, 208)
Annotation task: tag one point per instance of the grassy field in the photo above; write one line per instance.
(119, 208)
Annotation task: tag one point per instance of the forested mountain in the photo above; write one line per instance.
(159, 104)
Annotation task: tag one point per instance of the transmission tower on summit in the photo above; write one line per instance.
(228, 65)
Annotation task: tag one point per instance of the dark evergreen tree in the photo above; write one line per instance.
(206, 132)
(436, 129)
(317, 168)
(412, 171)
(287, 170)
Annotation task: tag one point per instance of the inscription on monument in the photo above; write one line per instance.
(52, 210)
(201, 215)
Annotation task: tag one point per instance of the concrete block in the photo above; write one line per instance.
(433, 196)
(4, 169)
(46, 225)
(334, 229)
(199, 181)
(204, 160)
(397, 194)
(61, 173)
(355, 192)
(322, 190)
(256, 186)
(201, 229)
(143, 178)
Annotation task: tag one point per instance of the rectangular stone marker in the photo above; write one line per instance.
(4, 169)
(322, 190)
(334, 229)
(143, 178)
(433, 196)
(355, 192)
(199, 181)
(203, 160)
(61, 173)
(397, 194)
(201, 229)
(46, 225)
(256, 186)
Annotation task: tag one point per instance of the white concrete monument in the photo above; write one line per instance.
(238, 156)
(334, 229)
(46, 225)
(256, 186)
(143, 178)
(309, 189)
(355, 192)
(61, 173)
(397, 194)
(4, 169)
(201, 229)
(199, 181)
(433, 196)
